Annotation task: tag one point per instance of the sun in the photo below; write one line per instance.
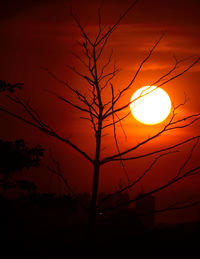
(152, 105)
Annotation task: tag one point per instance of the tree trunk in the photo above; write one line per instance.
(92, 208)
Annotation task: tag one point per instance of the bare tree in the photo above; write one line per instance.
(102, 113)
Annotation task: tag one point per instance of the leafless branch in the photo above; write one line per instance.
(115, 137)
(188, 158)
(153, 152)
(47, 131)
(105, 65)
(177, 62)
(71, 103)
(115, 25)
(30, 111)
(156, 190)
(171, 125)
(117, 121)
(171, 208)
(89, 80)
(120, 122)
(108, 112)
(80, 59)
(76, 19)
(100, 23)
(131, 185)
(181, 73)
(57, 170)
(80, 96)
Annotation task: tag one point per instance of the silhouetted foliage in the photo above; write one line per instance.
(51, 200)
(16, 155)
(27, 188)
(4, 86)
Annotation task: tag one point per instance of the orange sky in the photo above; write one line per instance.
(36, 36)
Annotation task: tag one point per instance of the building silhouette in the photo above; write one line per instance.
(144, 209)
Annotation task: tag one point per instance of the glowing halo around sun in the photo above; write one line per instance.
(152, 105)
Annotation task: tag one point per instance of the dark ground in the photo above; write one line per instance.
(29, 229)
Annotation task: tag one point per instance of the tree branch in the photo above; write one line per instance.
(115, 138)
(156, 190)
(108, 113)
(111, 30)
(131, 185)
(48, 132)
(166, 128)
(56, 169)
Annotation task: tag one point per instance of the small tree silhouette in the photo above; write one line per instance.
(4, 86)
(103, 113)
(15, 156)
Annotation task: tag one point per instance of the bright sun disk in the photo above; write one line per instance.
(152, 105)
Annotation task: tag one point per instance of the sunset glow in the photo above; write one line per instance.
(151, 106)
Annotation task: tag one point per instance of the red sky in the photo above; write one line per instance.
(41, 35)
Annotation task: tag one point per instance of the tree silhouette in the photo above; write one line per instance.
(15, 156)
(103, 113)
(28, 188)
(4, 86)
